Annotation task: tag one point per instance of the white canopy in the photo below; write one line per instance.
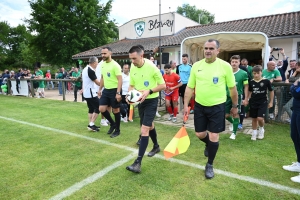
(229, 41)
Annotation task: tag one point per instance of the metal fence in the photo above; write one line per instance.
(281, 111)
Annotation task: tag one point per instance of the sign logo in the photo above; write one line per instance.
(146, 83)
(139, 28)
(215, 80)
(261, 84)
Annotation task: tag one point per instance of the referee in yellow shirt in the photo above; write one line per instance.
(210, 76)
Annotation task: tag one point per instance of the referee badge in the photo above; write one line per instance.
(146, 83)
(108, 74)
(261, 84)
(215, 80)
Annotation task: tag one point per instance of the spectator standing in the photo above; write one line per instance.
(295, 130)
(61, 75)
(39, 75)
(294, 77)
(111, 80)
(273, 75)
(210, 76)
(90, 93)
(258, 89)
(48, 76)
(75, 75)
(145, 77)
(293, 65)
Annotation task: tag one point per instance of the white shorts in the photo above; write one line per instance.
(40, 90)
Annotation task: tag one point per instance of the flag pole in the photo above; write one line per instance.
(159, 44)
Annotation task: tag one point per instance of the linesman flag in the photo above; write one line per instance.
(180, 142)
(130, 112)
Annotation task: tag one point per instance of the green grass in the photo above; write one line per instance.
(37, 163)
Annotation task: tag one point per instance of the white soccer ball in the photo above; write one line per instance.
(133, 96)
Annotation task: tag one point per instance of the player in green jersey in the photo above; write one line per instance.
(241, 81)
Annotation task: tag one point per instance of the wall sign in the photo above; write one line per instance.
(139, 28)
(156, 24)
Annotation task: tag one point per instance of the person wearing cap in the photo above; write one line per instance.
(48, 76)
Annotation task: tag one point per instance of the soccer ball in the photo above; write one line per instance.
(133, 96)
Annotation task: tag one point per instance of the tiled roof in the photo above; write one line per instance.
(279, 25)
(122, 47)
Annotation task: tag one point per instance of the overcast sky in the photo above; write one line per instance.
(13, 11)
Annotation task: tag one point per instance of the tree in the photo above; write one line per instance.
(12, 41)
(64, 28)
(193, 13)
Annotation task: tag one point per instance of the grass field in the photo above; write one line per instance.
(46, 152)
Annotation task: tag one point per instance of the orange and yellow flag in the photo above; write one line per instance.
(130, 112)
(180, 142)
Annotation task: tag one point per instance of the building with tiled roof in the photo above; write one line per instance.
(283, 30)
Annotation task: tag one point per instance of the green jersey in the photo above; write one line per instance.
(241, 79)
(210, 80)
(110, 71)
(249, 68)
(76, 75)
(146, 77)
(41, 75)
(270, 75)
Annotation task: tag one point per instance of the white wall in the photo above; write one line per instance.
(150, 26)
(170, 24)
(288, 45)
(182, 22)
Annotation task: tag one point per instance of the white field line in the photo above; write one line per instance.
(190, 164)
(92, 178)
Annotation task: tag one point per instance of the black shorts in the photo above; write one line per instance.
(147, 111)
(108, 98)
(99, 102)
(211, 118)
(124, 99)
(93, 105)
(182, 90)
(258, 110)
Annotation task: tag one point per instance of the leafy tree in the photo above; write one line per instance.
(64, 28)
(193, 13)
(4, 36)
(12, 41)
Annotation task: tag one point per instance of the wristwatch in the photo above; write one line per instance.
(119, 93)
(150, 91)
(235, 106)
